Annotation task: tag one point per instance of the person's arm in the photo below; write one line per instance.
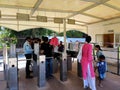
(42, 49)
(96, 67)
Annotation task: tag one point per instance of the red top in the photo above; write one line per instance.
(54, 41)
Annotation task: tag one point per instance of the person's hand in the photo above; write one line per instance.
(42, 51)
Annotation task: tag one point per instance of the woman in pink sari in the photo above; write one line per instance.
(87, 65)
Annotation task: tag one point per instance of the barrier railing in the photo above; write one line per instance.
(113, 59)
(118, 61)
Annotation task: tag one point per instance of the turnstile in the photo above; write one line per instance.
(35, 59)
(5, 62)
(63, 68)
(41, 71)
(13, 74)
(69, 63)
(79, 69)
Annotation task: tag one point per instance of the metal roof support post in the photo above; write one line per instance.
(63, 62)
(87, 29)
(59, 27)
(64, 22)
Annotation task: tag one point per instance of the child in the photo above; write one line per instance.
(101, 67)
(98, 51)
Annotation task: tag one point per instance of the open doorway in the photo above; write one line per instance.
(105, 40)
(108, 40)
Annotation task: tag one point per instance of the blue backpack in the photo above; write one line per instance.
(102, 67)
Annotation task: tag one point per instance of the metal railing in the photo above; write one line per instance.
(112, 58)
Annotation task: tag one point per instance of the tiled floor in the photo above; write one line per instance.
(112, 82)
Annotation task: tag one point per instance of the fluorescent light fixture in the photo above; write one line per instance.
(21, 16)
(42, 18)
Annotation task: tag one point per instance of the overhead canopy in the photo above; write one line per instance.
(23, 14)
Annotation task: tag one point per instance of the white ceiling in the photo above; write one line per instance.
(84, 12)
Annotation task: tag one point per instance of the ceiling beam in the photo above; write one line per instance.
(92, 16)
(96, 1)
(36, 6)
(81, 11)
(118, 17)
(39, 9)
(15, 7)
(37, 25)
(111, 6)
(56, 10)
(34, 20)
(87, 8)
(81, 22)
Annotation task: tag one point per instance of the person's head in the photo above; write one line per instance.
(54, 35)
(28, 39)
(33, 40)
(61, 42)
(88, 39)
(97, 47)
(45, 39)
(42, 38)
(101, 58)
(39, 40)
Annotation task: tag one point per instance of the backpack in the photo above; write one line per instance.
(102, 67)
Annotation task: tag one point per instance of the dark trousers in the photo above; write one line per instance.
(28, 63)
(49, 67)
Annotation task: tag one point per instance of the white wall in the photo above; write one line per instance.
(104, 27)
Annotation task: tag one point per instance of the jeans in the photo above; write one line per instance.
(49, 67)
(28, 63)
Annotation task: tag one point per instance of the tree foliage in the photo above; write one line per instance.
(8, 36)
(37, 32)
(73, 34)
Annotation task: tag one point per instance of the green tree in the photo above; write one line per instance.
(73, 34)
(37, 32)
(7, 36)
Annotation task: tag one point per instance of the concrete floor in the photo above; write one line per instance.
(112, 82)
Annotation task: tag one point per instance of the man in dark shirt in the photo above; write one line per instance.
(46, 49)
(61, 47)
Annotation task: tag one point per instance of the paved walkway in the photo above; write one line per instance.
(112, 82)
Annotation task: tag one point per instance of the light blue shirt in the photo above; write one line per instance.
(27, 48)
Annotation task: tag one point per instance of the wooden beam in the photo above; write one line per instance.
(36, 6)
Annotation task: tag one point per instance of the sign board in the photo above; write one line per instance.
(71, 21)
(58, 20)
(42, 18)
(0, 14)
(21, 16)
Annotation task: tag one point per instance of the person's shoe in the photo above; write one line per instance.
(86, 88)
(101, 85)
(51, 76)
